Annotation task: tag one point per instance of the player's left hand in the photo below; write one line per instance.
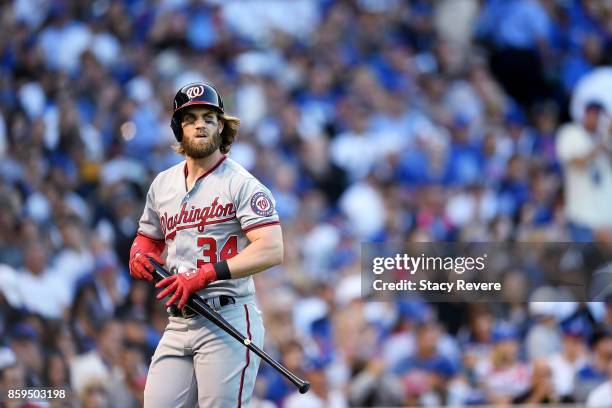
(183, 285)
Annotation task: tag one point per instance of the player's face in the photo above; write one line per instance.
(201, 132)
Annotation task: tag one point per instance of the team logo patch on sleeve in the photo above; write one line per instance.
(262, 205)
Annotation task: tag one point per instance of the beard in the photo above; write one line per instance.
(197, 148)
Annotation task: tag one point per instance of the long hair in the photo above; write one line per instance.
(228, 134)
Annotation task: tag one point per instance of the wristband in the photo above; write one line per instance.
(222, 270)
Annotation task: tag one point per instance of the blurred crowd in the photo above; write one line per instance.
(370, 121)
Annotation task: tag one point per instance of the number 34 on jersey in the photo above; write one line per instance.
(210, 247)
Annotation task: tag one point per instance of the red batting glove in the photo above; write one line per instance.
(183, 285)
(140, 267)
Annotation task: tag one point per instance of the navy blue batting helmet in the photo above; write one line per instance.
(196, 93)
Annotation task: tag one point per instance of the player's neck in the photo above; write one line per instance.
(198, 167)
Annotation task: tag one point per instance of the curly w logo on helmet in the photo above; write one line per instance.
(195, 91)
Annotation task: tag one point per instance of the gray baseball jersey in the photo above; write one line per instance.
(208, 223)
(196, 363)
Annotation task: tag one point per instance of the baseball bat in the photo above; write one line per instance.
(199, 306)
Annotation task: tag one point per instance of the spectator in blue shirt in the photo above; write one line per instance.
(595, 372)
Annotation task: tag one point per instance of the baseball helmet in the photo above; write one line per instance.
(196, 93)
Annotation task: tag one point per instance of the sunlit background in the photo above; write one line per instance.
(370, 121)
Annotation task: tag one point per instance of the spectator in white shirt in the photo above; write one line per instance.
(503, 376)
(74, 260)
(41, 289)
(601, 396)
(103, 364)
(573, 356)
(586, 157)
(356, 150)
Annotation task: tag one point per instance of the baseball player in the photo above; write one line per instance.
(217, 226)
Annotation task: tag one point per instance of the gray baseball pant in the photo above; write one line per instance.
(197, 364)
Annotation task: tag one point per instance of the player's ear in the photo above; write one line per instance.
(221, 125)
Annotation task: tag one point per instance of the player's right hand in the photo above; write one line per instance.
(141, 268)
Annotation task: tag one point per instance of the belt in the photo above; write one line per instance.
(216, 303)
